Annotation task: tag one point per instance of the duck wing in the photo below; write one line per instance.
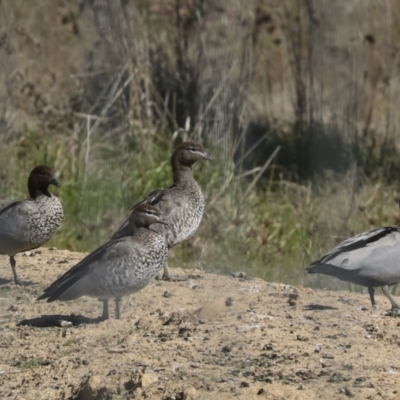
(371, 257)
(100, 258)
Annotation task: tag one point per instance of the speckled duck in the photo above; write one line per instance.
(28, 224)
(119, 267)
(182, 204)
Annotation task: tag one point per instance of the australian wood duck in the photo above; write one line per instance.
(369, 259)
(119, 267)
(181, 205)
(28, 224)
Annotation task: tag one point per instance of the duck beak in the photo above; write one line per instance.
(161, 221)
(206, 156)
(54, 181)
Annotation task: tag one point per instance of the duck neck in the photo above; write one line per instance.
(35, 193)
(182, 175)
(143, 231)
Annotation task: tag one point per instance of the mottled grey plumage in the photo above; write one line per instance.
(119, 267)
(28, 224)
(369, 259)
(182, 204)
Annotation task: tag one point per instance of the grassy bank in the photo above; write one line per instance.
(270, 228)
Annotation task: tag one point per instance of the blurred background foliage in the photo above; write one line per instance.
(296, 100)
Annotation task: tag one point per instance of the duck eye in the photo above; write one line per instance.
(41, 172)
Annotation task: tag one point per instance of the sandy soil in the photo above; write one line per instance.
(211, 337)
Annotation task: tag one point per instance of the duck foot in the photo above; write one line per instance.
(394, 312)
(166, 276)
(177, 278)
(23, 283)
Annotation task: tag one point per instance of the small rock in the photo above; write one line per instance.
(190, 393)
(92, 389)
(239, 274)
(292, 299)
(64, 324)
(302, 338)
(147, 380)
(370, 328)
(142, 323)
(359, 381)
(228, 301)
(336, 377)
(167, 294)
(318, 348)
(227, 348)
(244, 384)
(267, 347)
(346, 391)
(117, 350)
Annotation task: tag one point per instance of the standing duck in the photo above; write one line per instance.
(369, 259)
(181, 205)
(119, 267)
(28, 224)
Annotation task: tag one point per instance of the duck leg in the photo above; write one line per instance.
(105, 314)
(168, 277)
(385, 290)
(17, 281)
(117, 308)
(371, 292)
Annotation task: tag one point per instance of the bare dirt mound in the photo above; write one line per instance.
(214, 337)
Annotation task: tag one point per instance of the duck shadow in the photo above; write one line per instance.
(58, 320)
(4, 281)
(319, 307)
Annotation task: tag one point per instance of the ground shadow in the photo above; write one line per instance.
(58, 320)
(319, 307)
(4, 281)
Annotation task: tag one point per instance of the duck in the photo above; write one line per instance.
(181, 205)
(119, 267)
(28, 224)
(370, 259)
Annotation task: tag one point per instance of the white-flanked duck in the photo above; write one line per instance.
(369, 259)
